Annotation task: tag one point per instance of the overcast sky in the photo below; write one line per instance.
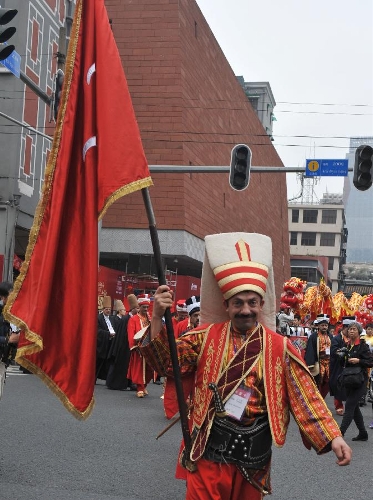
(317, 56)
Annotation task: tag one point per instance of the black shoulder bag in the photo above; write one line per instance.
(352, 377)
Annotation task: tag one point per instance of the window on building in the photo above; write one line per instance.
(308, 274)
(293, 238)
(295, 215)
(329, 217)
(330, 263)
(308, 239)
(310, 216)
(254, 102)
(327, 240)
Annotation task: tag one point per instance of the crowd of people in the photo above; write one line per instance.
(118, 358)
(329, 349)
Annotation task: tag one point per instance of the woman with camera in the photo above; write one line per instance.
(355, 354)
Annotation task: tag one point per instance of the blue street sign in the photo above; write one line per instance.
(333, 168)
(13, 63)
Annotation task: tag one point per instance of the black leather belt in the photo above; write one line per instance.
(249, 446)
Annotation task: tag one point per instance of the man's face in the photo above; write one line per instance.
(181, 315)
(135, 310)
(296, 322)
(323, 327)
(144, 309)
(106, 311)
(194, 319)
(122, 312)
(243, 310)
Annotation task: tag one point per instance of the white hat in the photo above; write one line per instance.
(346, 320)
(322, 318)
(193, 304)
(236, 262)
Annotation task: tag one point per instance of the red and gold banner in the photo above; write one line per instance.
(96, 157)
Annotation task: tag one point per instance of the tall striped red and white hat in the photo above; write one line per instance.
(237, 262)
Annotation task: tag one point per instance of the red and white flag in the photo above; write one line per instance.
(96, 157)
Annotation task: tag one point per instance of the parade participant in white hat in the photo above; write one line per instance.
(139, 372)
(181, 314)
(317, 354)
(247, 378)
(181, 309)
(193, 308)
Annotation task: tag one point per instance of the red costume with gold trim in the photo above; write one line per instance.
(268, 364)
(139, 371)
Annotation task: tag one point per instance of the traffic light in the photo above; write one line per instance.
(60, 76)
(363, 168)
(239, 176)
(6, 15)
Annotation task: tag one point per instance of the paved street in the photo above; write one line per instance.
(48, 455)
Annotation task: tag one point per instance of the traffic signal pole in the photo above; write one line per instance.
(219, 169)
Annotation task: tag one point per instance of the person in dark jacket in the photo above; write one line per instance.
(338, 342)
(105, 335)
(119, 352)
(318, 352)
(357, 354)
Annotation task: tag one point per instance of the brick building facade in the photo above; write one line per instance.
(191, 110)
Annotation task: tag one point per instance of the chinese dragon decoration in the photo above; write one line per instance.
(319, 300)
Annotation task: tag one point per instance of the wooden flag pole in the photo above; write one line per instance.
(169, 327)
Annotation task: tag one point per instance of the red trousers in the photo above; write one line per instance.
(214, 481)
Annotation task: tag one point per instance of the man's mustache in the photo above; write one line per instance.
(245, 316)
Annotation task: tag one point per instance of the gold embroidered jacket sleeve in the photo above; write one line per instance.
(317, 426)
(157, 352)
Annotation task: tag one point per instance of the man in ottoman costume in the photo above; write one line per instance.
(139, 371)
(247, 377)
(180, 315)
(317, 355)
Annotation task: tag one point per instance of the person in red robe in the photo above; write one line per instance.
(247, 378)
(193, 308)
(181, 314)
(139, 372)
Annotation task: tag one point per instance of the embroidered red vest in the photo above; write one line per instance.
(210, 369)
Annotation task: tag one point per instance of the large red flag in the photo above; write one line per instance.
(96, 157)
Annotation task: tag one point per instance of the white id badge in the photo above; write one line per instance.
(327, 351)
(236, 404)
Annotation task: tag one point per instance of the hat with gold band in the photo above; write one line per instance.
(234, 263)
